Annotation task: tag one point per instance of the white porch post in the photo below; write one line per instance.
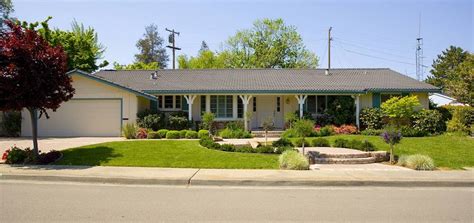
(357, 114)
(245, 101)
(301, 99)
(208, 103)
(190, 100)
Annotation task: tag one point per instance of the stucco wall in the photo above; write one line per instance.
(365, 101)
(424, 99)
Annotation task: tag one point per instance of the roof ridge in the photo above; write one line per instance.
(214, 69)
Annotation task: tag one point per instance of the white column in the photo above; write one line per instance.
(190, 100)
(208, 103)
(245, 102)
(357, 114)
(301, 99)
(234, 106)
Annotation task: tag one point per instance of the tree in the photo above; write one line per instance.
(137, 66)
(151, 48)
(400, 109)
(391, 136)
(205, 59)
(32, 75)
(6, 7)
(269, 44)
(303, 129)
(453, 72)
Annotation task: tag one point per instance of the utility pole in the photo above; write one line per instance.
(329, 47)
(419, 53)
(172, 41)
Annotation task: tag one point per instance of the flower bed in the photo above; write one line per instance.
(16, 155)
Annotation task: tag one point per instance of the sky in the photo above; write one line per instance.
(366, 33)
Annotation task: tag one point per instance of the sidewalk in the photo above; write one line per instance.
(224, 177)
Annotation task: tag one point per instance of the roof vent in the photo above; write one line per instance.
(326, 72)
(154, 76)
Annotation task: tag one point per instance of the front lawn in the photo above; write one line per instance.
(447, 151)
(166, 153)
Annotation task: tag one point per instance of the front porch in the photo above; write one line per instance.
(253, 109)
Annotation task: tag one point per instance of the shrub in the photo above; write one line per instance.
(342, 110)
(264, 149)
(462, 118)
(227, 147)
(191, 135)
(326, 130)
(372, 132)
(320, 142)
(345, 129)
(371, 118)
(206, 142)
(208, 120)
(299, 142)
(282, 142)
(341, 143)
(153, 135)
(49, 157)
(280, 150)
(235, 125)
(142, 133)
(151, 121)
(146, 112)
(289, 133)
(182, 134)
(367, 146)
(129, 131)
(177, 122)
(293, 160)
(11, 123)
(203, 133)
(15, 155)
(412, 132)
(420, 162)
(245, 149)
(162, 133)
(323, 119)
(400, 108)
(172, 134)
(290, 119)
(430, 121)
(234, 134)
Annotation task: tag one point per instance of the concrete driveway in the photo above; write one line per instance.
(47, 144)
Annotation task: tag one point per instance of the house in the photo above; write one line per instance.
(107, 99)
(441, 100)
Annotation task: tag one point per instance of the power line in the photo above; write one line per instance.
(363, 44)
(370, 49)
(172, 40)
(376, 57)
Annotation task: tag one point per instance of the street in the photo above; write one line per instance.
(28, 201)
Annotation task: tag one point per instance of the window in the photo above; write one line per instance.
(311, 104)
(160, 101)
(240, 108)
(221, 105)
(385, 97)
(321, 104)
(278, 104)
(254, 104)
(177, 102)
(203, 104)
(168, 101)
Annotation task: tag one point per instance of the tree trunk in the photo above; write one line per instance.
(34, 128)
(266, 138)
(303, 146)
(392, 157)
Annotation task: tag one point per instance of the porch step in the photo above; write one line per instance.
(343, 156)
(364, 160)
(269, 134)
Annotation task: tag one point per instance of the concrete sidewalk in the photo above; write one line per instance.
(224, 177)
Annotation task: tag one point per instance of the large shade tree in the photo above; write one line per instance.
(6, 8)
(32, 75)
(151, 47)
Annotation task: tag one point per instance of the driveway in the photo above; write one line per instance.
(47, 144)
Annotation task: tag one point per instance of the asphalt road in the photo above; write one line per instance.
(67, 202)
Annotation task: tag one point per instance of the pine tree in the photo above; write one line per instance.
(151, 47)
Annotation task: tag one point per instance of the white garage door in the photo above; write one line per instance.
(83, 117)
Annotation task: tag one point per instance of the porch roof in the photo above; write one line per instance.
(261, 81)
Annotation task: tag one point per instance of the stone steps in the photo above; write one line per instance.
(343, 155)
(364, 160)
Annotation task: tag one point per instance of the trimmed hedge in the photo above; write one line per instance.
(319, 142)
(172, 134)
(191, 135)
(203, 133)
(162, 133)
(153, 135)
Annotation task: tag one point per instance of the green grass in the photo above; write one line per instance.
(453, 152)
(166, 153)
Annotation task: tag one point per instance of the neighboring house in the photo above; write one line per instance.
(441, 99)
(105, 100)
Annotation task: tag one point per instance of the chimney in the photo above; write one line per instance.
(153, 76)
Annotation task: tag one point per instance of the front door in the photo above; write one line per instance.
(267, 109)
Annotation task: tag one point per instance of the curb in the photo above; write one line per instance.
(256, 183)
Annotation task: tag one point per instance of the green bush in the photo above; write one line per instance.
(129, 131)
(203, 133)
(208, 120)
(228, 133)
(420, 162)
(151, 121)
(290, 119)
(462, 118)
(341, 143)
(177, 122)
(153, 135)
(191, 135)
(412, 132)
(289, 133)
(430, 121)
(245, 149)
(162, 133)
(319, 142)
(356, 144)
(299, 142)
(265, 149)
(326, 131)
(235, 125)
(371, 118)
(400, 108)
(172, 134)
(11, 123)
(293, 160)
(227, 147)
(367, 146)
(182, 134)
(16, 155)
(342, 110)
(282, 142)
(209, 143)
(372, 132)
(280, 150)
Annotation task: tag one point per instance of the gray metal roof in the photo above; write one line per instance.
(267, 81)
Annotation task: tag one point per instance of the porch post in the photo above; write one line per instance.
(245, 101)
(301, 99)
(357, 113)
(190, 100)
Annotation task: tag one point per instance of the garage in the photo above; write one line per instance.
(83, 117)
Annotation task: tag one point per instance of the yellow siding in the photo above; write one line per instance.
(424, 99)
(365, 100)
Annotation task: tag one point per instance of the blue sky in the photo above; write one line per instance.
(367, 33)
